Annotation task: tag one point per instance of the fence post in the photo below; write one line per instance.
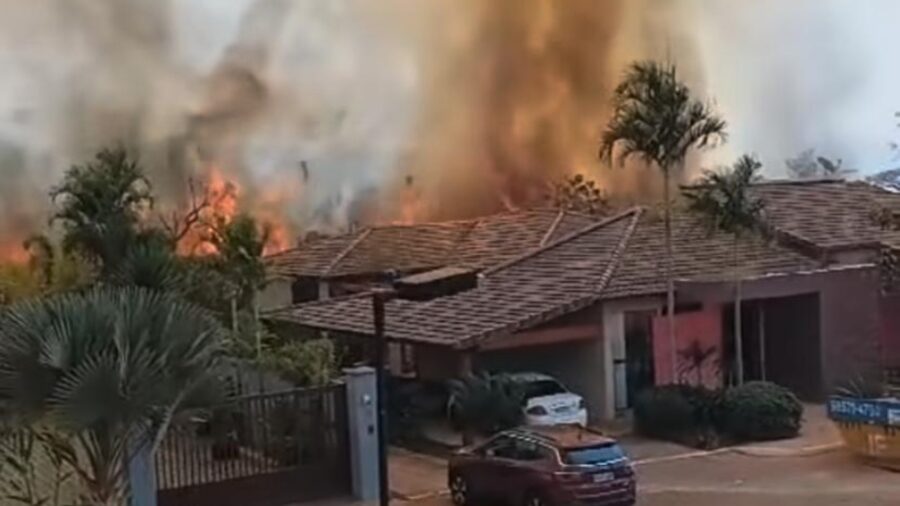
(142, 476)
(362, 426)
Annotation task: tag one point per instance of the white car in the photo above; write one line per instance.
(548, 402)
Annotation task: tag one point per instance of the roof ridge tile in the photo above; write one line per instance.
(343, 254)
(564, 239)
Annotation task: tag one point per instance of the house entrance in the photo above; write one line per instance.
(781, 343)
(639, 371)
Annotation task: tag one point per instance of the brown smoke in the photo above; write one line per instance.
(515, 100)
(404, 109)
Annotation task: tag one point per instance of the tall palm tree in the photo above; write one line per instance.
(724, 202)
(99, 205)
(109, 369)
(656, 120)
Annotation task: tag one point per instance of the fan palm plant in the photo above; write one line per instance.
(656, 120)
(109, 369)
(724, 202)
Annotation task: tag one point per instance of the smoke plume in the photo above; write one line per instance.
(325, 113)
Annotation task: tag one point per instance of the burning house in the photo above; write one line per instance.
(583, 298)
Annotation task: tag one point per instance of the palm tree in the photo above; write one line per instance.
(109, 369)
(723, 201)
(656, 120)
(99, 205)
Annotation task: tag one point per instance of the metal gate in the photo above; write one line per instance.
(259, 450)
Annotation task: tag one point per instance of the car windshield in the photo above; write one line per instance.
(593, 455)
(542, 388)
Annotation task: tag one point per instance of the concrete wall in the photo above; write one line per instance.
(890, 330)
(578, 364)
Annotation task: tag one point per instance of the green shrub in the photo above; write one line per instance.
(485, 403)
(759, 411)
(682, 413)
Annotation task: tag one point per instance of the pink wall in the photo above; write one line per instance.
(890, 330)
(704, 327)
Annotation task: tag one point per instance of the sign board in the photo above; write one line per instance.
(869, 411)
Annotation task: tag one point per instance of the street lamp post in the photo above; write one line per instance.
(379, 297)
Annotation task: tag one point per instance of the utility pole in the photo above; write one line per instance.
(378, 299)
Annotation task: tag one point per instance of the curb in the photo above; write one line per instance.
(680, 456)
(781, 451)
(749, 451)
(423, 496)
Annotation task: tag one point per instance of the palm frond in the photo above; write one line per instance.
(724, 202)
(108, 367)
(656, 120)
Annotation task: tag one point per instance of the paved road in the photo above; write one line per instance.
(832, 479)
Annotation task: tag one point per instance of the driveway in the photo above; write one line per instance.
(827, 479)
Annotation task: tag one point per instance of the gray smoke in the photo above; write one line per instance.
(458, 93)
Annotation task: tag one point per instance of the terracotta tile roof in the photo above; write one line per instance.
(476, 244)
(563, 276)
(312, 258)
(495, 239)
(830, 213)
(697, 254)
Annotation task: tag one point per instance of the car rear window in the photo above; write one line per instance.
(543, 388)
(593, 455)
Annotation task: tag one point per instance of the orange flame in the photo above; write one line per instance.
(13, 252)
(225, 202)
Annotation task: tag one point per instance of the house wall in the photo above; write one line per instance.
(276, 294)
(702, 327)
(890, 330)
(854, 256)
(438, 363)
(578, 364)
(849, 316)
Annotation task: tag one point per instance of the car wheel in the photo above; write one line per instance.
(459, 491)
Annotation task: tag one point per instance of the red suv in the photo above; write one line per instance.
(543, 466)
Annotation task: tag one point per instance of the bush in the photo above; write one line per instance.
(410, 404)
(760, 411)
(682, 413)
(485, 404)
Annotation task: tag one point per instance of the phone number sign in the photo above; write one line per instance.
(875, 412)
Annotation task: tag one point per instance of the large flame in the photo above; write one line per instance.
(224, 198)
(13, 252)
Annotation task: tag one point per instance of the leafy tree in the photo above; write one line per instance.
(724, 202)
(656, 120)
(807, 165)
(100, 204)
(109, 369)
(577, 193)
(240, 244)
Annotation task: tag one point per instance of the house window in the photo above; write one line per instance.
(407, 359)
